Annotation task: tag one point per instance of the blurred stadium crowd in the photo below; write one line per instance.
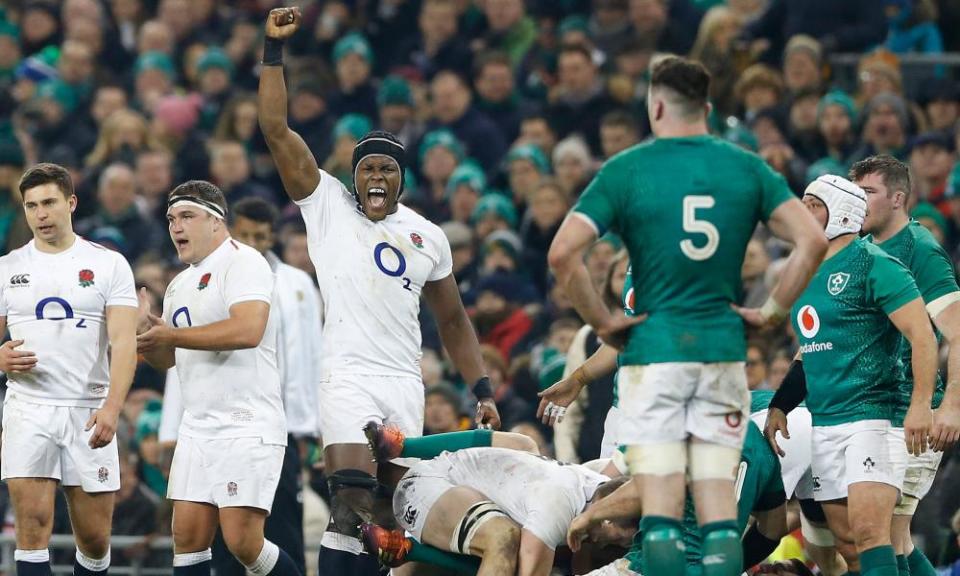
(506, 109)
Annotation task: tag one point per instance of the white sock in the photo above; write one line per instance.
(91, 564)
(32, 556)
(191, 558)
(266, 560)
(342, 542)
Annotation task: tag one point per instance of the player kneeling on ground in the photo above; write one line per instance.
(220, 332)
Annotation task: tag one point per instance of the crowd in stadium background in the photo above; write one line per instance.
(506, 108)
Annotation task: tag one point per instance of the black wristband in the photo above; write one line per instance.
(793, 389)
(482, 389)
(272, 52)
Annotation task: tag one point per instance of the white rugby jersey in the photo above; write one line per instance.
(236, 393)
(370, 276)
(542, 495)
(56, 304)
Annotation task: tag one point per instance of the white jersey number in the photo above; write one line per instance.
(694, 226)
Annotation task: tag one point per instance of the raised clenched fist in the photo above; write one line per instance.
(283, 22)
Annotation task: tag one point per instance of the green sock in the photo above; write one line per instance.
(429, 555)
(879, 561)
(903, 567)
(920, 565)
(663, 551)
(427, 447)
(722, 552)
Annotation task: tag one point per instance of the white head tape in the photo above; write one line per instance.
(845, 201)
(200, 203)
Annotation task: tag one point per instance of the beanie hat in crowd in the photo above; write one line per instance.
(497, 204)
(467, 174)
(215, 58)
(394, 91)
(532, 154)
(352, 125)
(898, 104)
(353, 43)
(441, 137)
(837, 98)
(155, 61)
(927, 210)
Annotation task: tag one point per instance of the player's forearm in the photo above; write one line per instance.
(123, 365)
(800, 268)
(225, 335)
(162, 358)
(602, 363)
(575, 279)
(952, 395)
(272, 103)
(460, 340)
(624, 503)
(924, 361)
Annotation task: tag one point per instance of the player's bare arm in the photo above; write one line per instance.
(946, 418)
(912, 321)
(624, 503)
(601, 363)
(566, 258)
(160, 357)
(295, 163)
(460, 340)
(12, 357)
(122, 333)
(243, 329)
(793, 223)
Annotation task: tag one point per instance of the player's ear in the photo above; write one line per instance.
(72, 203)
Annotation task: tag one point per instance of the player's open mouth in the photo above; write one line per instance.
(377, 197)
(44, 228)
(181, 242)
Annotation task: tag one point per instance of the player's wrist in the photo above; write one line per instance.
(772, 312)
(272, 51)
(482, 389)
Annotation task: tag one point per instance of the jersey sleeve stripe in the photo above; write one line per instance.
(590, 221)
(942, 303)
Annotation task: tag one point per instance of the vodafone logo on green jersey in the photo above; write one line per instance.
(809, 323)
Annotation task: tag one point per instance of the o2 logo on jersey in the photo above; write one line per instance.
(57, 303)
(391, 262)
(808, 321)
(182, 314)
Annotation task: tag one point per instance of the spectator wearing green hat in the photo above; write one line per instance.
(155, 75)
(526, 167)
(439, 44)
(396, 108)
(930, 218)
(346, 133)
(440, 153)
(57, 103)
(836, 113)
(214, 79)
(355, 92)
(500, 252)
(824, 166)
(10, 54)
(493, 212)
(464, 188)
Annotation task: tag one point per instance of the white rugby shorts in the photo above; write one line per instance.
(863, 451)
(795, 465)
(348, 402)
(669, 402)
(227, 472)
(46, 441)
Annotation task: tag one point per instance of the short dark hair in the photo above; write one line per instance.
(576, 48)
(200, 189)
(46, 173)
(688, 79)
(493, 57)
(621, 118)
(256, 209)
(895, 174)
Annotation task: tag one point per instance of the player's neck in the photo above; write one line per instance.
(59, 245)
(838, 244)
(678, 129)
(897, 222)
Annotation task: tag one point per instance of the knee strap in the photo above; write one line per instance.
(475, 517)
(343, 515)
(351, 478)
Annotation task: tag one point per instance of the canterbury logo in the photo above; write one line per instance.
(19, 279)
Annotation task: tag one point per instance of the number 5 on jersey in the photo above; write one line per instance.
(694, 226)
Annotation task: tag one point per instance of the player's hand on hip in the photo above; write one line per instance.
(487, 415)
(555, 400)
(916, 428)
(617, 331)
(283, 22)
(776, 422)
(13, 360)
(104, 424)
(946, 426)
(577, 532)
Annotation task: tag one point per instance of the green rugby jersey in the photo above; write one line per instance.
(685, 208)
(851, 350)
(933, 272)
(759, 488)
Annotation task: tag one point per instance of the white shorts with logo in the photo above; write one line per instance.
(611, 433)
(669, 402)
(348, 402)
(226, 472)
(863, 451)
(45, 441)
(921, 470)
(417, 492)
(795, 465)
